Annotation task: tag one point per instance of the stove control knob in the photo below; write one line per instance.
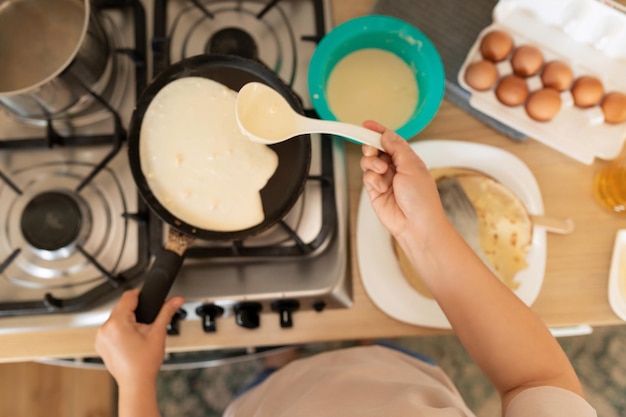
(285, 308)
(208, 313)
(319, 306)
(247, 314)
(173, 328)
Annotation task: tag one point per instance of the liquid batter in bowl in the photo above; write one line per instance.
(372, 84)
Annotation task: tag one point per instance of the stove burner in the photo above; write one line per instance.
(57, 238)
(51, 221)
(232, 41)
(258, 29)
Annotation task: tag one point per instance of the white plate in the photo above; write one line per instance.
(617, 276)
(381, 275)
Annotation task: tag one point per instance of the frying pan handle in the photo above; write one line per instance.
(157, 285)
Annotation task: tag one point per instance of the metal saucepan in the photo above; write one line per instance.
(50, 52)
(278, 196)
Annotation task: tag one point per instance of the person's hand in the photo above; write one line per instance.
(402, 190)
(133, 352)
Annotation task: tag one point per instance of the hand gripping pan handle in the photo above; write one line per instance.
(161, 276)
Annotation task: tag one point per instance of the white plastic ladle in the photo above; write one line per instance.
(264, 116)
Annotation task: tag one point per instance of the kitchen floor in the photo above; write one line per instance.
(32, 389)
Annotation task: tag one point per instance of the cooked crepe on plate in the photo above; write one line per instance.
(505, 227)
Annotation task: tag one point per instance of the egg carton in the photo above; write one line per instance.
(589, 36)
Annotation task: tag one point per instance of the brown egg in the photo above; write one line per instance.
(527, 60)
(542, 105)
(557, 75)
(512, 90)
(496, 45)
(481, 75)
(587, 91)
(614, 107)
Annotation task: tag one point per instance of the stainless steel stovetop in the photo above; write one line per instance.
(302, 261)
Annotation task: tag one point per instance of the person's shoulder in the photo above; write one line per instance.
(549, 401)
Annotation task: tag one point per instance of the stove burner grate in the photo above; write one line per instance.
(232, 41)
(52, 221)
(253, 29)
(84, 276)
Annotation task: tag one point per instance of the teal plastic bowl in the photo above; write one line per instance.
(390, 34)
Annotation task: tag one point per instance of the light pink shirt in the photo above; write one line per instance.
(377, 381)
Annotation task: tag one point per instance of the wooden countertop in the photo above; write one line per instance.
(574, 290)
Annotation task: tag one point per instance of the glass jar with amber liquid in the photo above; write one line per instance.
(610, 185)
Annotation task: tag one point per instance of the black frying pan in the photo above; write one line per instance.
(278, 196)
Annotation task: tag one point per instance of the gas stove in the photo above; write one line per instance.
(75, 232)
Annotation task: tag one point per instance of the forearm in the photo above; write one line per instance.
(506, 339)
(133, 353)
(138, 400)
